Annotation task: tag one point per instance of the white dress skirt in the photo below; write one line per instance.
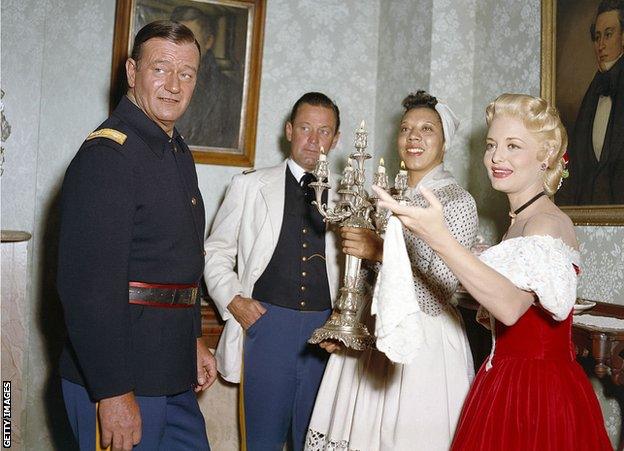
(368, 403)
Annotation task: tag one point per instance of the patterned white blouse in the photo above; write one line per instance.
(433, 280)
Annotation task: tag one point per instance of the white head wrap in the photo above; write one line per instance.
(450, 123)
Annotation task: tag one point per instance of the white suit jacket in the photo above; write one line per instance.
(239, 248)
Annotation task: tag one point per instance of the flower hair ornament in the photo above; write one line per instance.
(566, 160)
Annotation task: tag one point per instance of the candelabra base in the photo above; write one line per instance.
(345, 329)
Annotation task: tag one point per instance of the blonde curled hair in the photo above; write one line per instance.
(544, 122)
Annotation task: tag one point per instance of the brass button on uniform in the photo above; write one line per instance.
(305, 245)
(304, 259)
(304, 230)
(302, 303)
(302, 287)
(204, 252)
(303, 273)
(193, 200)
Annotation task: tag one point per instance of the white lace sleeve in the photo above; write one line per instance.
(541, 264)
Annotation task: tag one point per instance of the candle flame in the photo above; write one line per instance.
(322, 150)
(362, 124)
(402, 164)
(381, 162)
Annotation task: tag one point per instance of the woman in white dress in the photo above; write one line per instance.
(368, 402)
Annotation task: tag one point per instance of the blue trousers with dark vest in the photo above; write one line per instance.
(169, 423)
(281, 376)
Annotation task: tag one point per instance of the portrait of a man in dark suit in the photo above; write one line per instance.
(596, 137)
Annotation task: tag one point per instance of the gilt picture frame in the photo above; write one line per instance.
(568, 65)
(220, 123)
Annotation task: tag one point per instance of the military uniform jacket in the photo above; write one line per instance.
(131, 210)
(243, 238)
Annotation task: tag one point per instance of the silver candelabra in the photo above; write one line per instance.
(355, 208)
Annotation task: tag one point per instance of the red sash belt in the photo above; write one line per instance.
(162, 295)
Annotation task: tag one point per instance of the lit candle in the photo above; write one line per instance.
(380, 178)
(400, 181)
(362, 125)
(381, 169)
(348, 177)
(322, 156)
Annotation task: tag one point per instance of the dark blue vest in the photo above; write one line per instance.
(296, 276)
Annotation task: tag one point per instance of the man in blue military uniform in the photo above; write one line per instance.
(130, 259)
(271, 268)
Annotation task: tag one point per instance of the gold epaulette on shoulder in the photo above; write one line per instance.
(248, 171)
(109, 133)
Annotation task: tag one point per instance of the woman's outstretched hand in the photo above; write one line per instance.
(427, 223)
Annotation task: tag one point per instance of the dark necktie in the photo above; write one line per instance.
(309, 195)
(605, 84)
(305, 185)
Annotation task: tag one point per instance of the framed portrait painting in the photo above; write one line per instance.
(583, 76)
(220, 123)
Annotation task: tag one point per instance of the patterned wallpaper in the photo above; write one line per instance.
(21, 82)
(507, 42)
(452, 73)
(56, 72)
(403, 64)
(602, 251)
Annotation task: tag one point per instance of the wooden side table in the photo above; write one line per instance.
(212, 324)
(603, 344)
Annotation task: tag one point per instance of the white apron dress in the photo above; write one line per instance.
(368, 403)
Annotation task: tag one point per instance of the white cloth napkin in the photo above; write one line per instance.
(398, 326)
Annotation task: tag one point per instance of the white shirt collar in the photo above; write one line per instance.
(610, 64)
(296, 170)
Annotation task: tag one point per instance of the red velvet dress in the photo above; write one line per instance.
(534, 396)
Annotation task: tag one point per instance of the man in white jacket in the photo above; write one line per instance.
(271, 269)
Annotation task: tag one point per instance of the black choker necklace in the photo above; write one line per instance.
(526, 204)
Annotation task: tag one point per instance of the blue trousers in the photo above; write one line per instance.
(281, 376)
(170, 423)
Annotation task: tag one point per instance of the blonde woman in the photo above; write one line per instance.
(531, 394)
